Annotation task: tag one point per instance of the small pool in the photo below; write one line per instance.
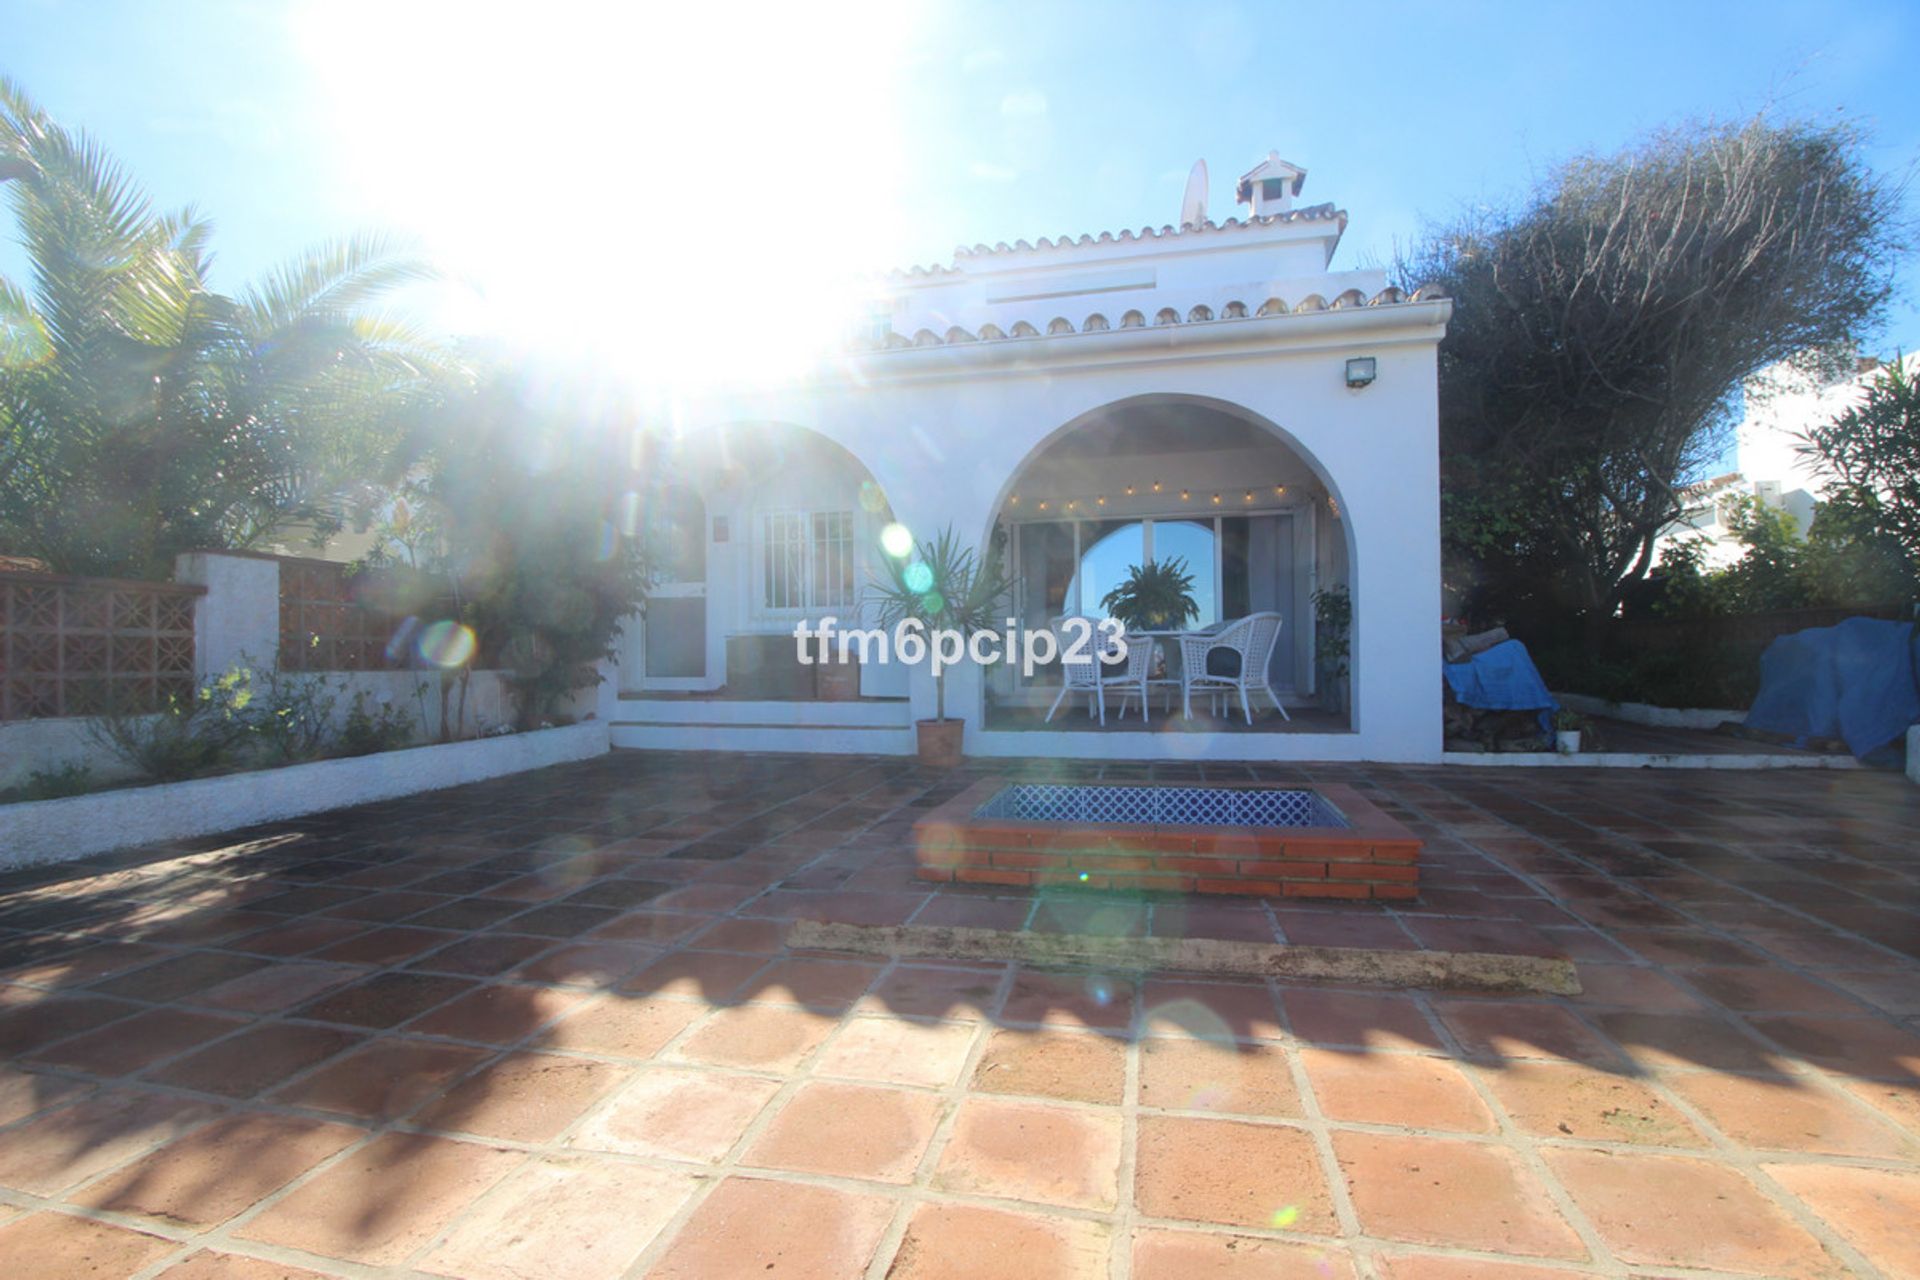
(1163, 806)
(1320, 841)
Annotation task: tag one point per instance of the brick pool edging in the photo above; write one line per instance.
(1374, 857)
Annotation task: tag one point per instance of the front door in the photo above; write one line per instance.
(675, 628)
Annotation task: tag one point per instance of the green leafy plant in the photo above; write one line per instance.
(1157, 596)
(73, 778)
(1569, 721)
(291, 714)
(1333, 639)
(945, 586)
(373, 725)
(188, 736)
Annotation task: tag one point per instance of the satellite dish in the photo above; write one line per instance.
(1193, 206)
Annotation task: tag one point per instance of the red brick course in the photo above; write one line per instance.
(1375, 857)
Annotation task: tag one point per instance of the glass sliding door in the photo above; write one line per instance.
(1197, 543)
(1109, 550)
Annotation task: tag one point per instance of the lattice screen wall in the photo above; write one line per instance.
(78, 647)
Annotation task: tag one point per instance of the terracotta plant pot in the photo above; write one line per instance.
(940, 742)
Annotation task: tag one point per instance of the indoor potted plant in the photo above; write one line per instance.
(946, 587)
(1566, 731)
(1156, 596)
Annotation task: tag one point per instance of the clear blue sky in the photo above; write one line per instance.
(639, 160)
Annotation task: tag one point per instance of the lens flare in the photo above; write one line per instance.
(1100, 990)
(401, 642)
(630, 513)
(1286, 1217)
(446, 644)
(919, 578)
(872, 501)
(609, 542)
(897, 541)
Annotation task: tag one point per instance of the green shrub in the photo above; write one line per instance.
(73, 778)
(372, 726)
(187, 737)
(291, 715)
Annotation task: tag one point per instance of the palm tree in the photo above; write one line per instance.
(142, 413)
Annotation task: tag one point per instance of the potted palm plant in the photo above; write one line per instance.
(946, 586)
(1157, 596)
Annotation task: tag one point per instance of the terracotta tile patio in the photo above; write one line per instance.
(550, 1027)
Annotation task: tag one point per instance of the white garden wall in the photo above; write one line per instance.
(59, 830)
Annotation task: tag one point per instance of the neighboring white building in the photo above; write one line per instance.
(1213, 390)
(1781, 403)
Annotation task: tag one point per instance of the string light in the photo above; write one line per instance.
(1247, 497)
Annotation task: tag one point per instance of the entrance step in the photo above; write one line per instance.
(866, 727)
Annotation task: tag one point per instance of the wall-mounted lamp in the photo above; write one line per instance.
(1361, 371)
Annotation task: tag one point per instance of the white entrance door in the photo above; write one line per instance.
(674, 643)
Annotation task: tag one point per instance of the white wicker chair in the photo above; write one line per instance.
(1253, 638)
(1132, 680)
(1083, 676)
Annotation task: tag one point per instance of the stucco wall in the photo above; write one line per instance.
(944, 431)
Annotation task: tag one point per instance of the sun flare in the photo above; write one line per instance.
(678, 195)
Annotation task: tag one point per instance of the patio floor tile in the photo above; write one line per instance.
(622, 1026)
(219, 1169)
(892, 1051)
(1212, 1010)
(525, 1097)
(1672, 1211)
(677, 1114)
(1569, 1099)
(1070, 1000)
(1441, 1191)
(1793, 1115)
(43, 1020)
(59, 1246)
(849, 1131)
(1359, 1018)
(1769, 991)
(384, 1200)
(131, 1044)
(699, 975)
(588, 964)
(1076, 1066)
(754, 1226)
(932, 991)
(77, 1142)
(1874, 1210)
(386, 999)
(1231, 1173)
(1213, 1075)
(766, 1037)
(1687, 1040)
(832, 985)
(387, 1078)
(1433, 1266)
(244, 1064)
(498, 1014)
(576, 1217)
(214, 1264)
(22, 1093)
(1406, 1089)
(972, 1242)
(1032, 1151)
(1859, 1046)
(1159, 1254)
(1496, 1030)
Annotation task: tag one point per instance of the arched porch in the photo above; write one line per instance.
(1248, 510)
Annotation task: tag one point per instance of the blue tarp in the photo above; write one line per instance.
(1859, 682)
(1502, 678)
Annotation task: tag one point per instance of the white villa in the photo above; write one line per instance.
(1213, 390)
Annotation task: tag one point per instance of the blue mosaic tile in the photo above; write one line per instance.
(1162, 806)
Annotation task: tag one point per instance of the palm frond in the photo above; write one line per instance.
(23, 338)
(334, 279)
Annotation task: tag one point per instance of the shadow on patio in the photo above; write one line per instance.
(448, 1032)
